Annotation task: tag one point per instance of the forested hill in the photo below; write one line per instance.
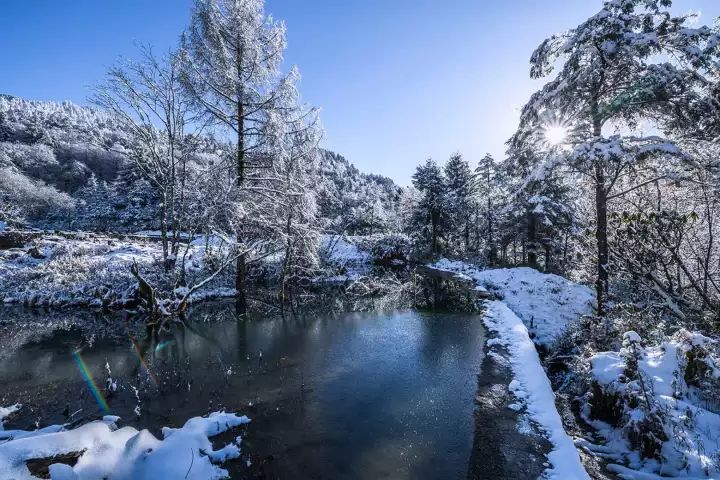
(56, 169)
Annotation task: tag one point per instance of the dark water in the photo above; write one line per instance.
(351, 395)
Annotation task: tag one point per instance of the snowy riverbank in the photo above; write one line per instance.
(85, 269)
(531, 306)
(651, 405)
(546, 303)
(82, 269)
(102, 450)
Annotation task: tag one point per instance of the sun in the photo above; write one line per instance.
(555, 134)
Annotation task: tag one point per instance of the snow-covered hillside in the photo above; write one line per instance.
(52, 154)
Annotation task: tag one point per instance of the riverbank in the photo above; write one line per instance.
(636, 407)
(529, 308)
(65, 270)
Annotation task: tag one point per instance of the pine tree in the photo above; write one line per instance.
(488, 194)
(460, 191)
(429, 180)
(613, 73)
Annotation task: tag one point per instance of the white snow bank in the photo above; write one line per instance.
(546, 303)
(532, 387)
(692, 448)
(125, 453)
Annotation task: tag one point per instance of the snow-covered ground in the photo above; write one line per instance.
(546, 303)
(666, 399)
(108, 452)
(531, 306)
(667, 404)
(533, 391)
(88, 270)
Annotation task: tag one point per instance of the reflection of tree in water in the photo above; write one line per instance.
(23, 326)
(441, 293)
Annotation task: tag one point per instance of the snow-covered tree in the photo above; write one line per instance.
(629, 64)
(147, 99)
(431, 215)
(460, 192)
(233, 52)
(489, 192)
(22, 198)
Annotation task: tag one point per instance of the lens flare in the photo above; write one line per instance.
(162, 345)
(85, 372)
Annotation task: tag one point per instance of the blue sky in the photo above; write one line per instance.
(397, 80)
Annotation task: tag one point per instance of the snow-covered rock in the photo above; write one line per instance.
(6, 411)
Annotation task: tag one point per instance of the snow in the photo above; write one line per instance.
(81, 269)
(531, 306)
(126, 453)
(546, 303)
(343, 255)
(532, 387)
(692, 446)
(6, 411)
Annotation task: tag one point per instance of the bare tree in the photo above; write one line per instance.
(147, 98)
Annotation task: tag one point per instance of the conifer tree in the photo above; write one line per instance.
(615, 71)
(431, 215)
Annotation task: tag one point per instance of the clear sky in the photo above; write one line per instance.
(397, 80)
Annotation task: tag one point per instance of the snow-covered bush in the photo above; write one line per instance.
(22, 198)
(656, 398)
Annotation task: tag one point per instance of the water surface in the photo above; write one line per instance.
(350, 395)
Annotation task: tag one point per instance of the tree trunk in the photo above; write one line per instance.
(477, 229)
(241, 303)
(547, 258)
(601, 230)
(532, 241)
(492, 252)
(434, 235)
(240, 167)
(467, 236)
(164, 232)
(601, 238)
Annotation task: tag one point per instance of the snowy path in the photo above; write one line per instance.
(547, 304)
(533, 391)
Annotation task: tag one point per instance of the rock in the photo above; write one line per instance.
(43, 467)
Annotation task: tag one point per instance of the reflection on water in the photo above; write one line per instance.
(350, 395)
